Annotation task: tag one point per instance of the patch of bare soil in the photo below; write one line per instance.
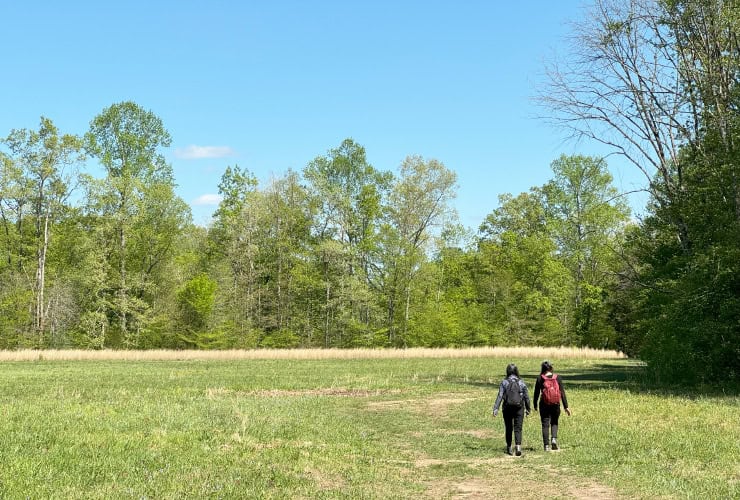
(443, 403)
(326, 481)
(473, 489)
(326, 391)
(476, 433)
(391, 405)
(587, 491)
(530, 481)
(421, 463)
(439, 405)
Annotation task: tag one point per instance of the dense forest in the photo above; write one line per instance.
(344, 254)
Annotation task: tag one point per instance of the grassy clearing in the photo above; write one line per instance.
(298, 354)
(337, 428)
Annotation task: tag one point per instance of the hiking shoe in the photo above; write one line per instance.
(518, 451)
(547, 448)
(508, 450)
(554, 445)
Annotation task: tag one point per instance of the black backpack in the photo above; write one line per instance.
(512, 396)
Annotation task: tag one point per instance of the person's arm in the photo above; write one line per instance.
(562, 396)
(500, 396)
(537, 389)
(525, 393)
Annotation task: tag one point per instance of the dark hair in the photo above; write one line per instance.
(546, 367)
(512, 370)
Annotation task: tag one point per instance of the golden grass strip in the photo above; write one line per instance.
(300, 354)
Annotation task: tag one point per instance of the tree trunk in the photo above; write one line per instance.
(41, 280)
(406, 312)
(326, 320)
(123, 306)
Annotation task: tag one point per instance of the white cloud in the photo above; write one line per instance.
(194, 152)
(208, 199)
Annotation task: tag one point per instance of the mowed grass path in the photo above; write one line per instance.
(352, 428)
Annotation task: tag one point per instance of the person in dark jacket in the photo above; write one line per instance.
(513, 410)
(549, 411)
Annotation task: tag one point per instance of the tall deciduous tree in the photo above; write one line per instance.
(586, 215)
(235, 238)
(350, 193)
(418, 204)
(649, 78)
(529, 285)
(43, 158)
(287, 216)
(127, 140)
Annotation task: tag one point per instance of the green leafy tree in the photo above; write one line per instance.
(42, 157)
(586, 217)
(419, 205)
(529, 284)
(136, 190)
(350, 194)
(449, 312)
(234, 247)
(287, 216)
(196, 300)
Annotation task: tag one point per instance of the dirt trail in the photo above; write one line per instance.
(495, 483)
(490, 478)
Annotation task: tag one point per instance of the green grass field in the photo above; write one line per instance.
(380, 428)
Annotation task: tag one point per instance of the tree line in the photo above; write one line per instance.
(342, 254)
(339, 255)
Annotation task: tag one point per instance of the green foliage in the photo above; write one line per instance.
(342, 261)
(348, 195)
(225, 335)
(125, 138)
(418, 207)
(549, 258)
(280, 339)
(90, 332)
(435, 325)
(529, 282)
(15, 318)
(39, 186)
(588, 215)
(197, 299)
(688, 319)
(138, 216)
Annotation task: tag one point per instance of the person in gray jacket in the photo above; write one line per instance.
(513, 392)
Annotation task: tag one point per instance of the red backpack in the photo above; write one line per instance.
(550, 390)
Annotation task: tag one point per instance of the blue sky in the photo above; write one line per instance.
(271, 85)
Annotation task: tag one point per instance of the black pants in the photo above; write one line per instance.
(513, 418)
(549, 415)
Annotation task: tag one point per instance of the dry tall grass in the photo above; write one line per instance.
(171, 355)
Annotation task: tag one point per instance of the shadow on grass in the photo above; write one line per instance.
(595, 377)
(605, 376)
(632, 377)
